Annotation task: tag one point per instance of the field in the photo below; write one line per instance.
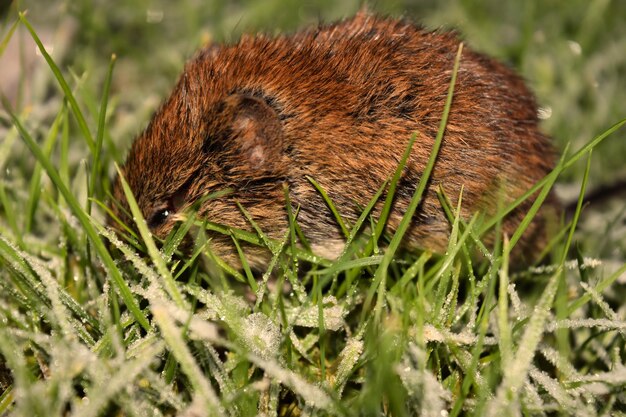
(91, 325)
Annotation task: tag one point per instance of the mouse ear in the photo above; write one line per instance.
(255, 133)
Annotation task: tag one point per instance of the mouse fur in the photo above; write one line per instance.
(338, 103)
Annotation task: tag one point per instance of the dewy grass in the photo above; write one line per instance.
(82, 217)
(93, 330)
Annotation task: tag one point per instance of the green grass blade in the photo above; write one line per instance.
(7, 144)
(505, 339)
(7, 37)
(349, 264)
(95, 163)
(386, 210)
(80, 119)
(317, 290)
(9, 212)
(532, 212)
(245, 265)
(291, 217)
(176, 237)
(64, 151)
(35, 182)
(129, 234)
(579, 205)
(6, 399)
(330, 205)
(364, 215)
(411, 272)
(168, 282)
(599, 288)
(190, 262)
(267, 241)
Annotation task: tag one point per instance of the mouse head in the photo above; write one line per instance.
(195, 146)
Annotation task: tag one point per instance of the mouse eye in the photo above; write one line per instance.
(159, 217)
(172, 205)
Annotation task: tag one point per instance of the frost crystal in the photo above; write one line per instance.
(427, 396)
(309, 316)
(261, 335)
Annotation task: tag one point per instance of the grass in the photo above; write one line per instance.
(91, 325)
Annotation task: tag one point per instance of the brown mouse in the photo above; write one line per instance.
(337, 103)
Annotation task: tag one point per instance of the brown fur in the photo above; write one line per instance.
(338, 103)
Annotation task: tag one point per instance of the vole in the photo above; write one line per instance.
(337, 103)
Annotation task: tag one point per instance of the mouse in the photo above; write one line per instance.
(337, 103)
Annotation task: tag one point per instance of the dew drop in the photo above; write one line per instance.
(154, 15)
(575, 47)
(544, 113)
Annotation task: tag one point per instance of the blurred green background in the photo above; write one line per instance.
(573, 55)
